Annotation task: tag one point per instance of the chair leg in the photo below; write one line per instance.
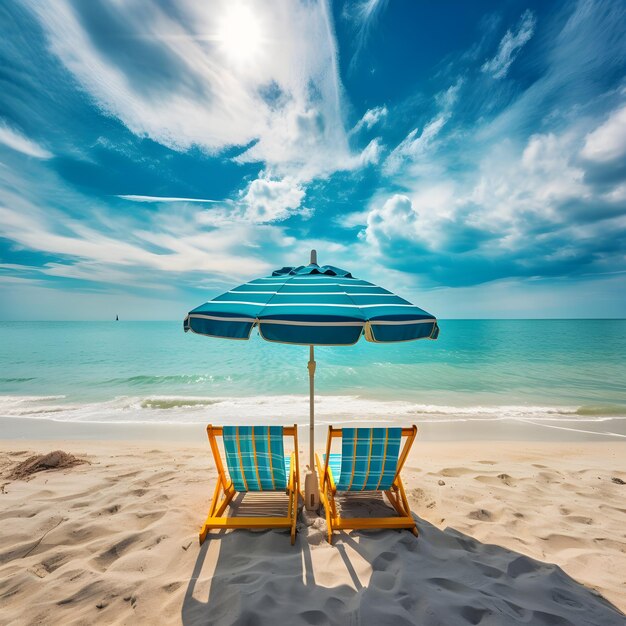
(216, 493)
(329, 507)
(294, 513)
(407, 508)
(216, 509)
(293, 507)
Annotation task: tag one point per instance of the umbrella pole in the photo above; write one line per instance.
(311, 367)
(311, 485)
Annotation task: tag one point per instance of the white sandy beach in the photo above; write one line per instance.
(510, 533)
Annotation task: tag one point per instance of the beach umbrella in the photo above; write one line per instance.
(316, 306)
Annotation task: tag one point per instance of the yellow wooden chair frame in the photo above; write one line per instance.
(396, 494)
(225, 491)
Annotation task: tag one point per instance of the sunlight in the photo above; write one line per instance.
(239, 33)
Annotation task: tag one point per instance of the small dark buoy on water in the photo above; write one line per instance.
(117, 318)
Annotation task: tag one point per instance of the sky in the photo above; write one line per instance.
(470, 156)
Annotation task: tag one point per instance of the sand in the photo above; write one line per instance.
(530, 533)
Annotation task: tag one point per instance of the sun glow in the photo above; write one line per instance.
(239, 33)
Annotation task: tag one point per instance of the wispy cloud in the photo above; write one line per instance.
(416, 144)
(370, 118)
(510, 46)
(18, 142)
(134, 198)
(363, 14)
(281, 104)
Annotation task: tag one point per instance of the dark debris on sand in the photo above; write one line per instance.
(41, 462)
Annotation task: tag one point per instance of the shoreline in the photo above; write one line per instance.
(21, 428)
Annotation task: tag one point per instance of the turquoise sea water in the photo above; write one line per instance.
(563, 372)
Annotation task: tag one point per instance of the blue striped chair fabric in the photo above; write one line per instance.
(255, 457)
(368, 459)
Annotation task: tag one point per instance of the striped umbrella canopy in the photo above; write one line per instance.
(312, 305)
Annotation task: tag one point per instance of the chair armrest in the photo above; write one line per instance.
(292, 483)
(326, 476)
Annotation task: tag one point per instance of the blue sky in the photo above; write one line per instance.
(469, 155)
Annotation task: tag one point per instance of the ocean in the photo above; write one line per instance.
(561, 374)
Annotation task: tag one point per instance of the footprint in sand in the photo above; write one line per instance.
(384, 581)
(502, 479)
(488, 571)
(580, 519)
(558, 542)
(567, 599)
(522, 565)
(482, 515)
(104, 560)
(612, 544)
(314, 617)
(506, 479)
(50, 564)
(383, 560)
(454, 472)
(418, 494)
(473, 614)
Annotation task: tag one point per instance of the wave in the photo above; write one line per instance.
(176, 403)
(16, 380)
(288, 409)
(606, 410)
(141, 380)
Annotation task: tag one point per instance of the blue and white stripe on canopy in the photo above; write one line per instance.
(312, 305)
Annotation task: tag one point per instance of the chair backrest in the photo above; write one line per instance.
(369, 458)
(255, 457)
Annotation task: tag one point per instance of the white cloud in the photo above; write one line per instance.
(268, 200)
(396, 218)
(282, 99)
(370, 118)
(608, 141)
(16, 141)
(510, 46)
(423, 218)
(513, 191)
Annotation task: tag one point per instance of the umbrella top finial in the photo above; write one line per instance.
(313, 257)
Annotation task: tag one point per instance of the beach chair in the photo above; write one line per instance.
(370, 460)
(256, 462)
